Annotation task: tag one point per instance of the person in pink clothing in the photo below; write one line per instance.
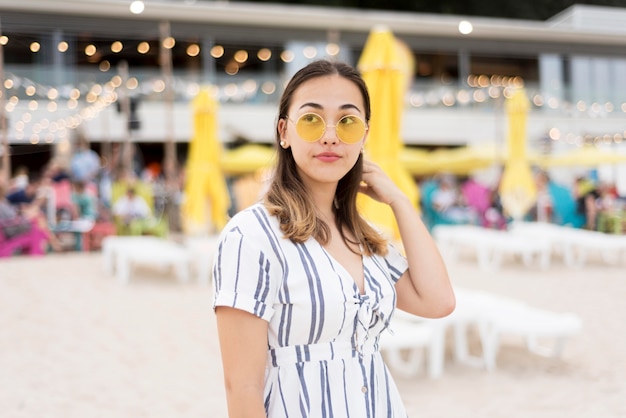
(19, 234)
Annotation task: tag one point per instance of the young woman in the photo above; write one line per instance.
(303, 285)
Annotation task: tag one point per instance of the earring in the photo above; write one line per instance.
(362, 149)
(283, 144)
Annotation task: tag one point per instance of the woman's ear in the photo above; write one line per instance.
(282, 128)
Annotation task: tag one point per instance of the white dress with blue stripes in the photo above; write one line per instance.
(323, 358)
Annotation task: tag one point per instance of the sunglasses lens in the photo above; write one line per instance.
(310, 127)
(350, 129)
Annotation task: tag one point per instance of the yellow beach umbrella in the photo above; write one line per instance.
(206, 195)
(463, 160)
(416, 161)
(248, 159)
(386, 66)
(518, 191)
(460, 161)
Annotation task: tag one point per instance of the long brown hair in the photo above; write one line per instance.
(287, 197)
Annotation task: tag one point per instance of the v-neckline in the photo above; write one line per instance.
(346, 272)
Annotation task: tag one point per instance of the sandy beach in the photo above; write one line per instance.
(74, 343)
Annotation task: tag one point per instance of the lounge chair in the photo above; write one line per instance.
(573, 244)
(491, 246)
(492, 315)
(496, 316)
(121, 253)
(202, 250)
(406, 341)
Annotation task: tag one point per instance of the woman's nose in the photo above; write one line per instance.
(330, 135)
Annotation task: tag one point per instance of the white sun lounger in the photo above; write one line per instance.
(495, 316)
(490, 246)
(406, 342)
(492, 315)
(121, 253)
(532, 325)
(574, 244)
(202, 249)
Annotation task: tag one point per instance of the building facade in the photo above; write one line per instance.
(91, 65)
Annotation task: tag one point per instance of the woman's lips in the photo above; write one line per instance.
(327, 157)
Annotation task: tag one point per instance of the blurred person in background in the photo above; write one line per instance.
(449, 202)
(30, 204)
(587, 195)
(85, 162)
(19, 180)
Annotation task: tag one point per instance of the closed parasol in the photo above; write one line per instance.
(206, 195)
(386, 66)
(518, 192)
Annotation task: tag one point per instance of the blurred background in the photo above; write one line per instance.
(121, 76)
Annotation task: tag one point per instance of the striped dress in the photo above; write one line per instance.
(322, 357)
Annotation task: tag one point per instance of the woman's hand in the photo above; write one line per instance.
(377, 185)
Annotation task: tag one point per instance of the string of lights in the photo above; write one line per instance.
(85, 101)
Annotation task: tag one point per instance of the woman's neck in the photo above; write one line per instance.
(323, 200)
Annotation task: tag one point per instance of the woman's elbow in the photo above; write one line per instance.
(444, 307)
(449, 306)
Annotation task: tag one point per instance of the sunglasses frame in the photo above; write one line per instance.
(326, 126)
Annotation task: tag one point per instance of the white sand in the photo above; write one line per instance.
(75, 343)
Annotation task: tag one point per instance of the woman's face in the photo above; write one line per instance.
(327, 160)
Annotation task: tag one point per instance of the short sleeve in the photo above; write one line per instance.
(396, 262)
(244, 276)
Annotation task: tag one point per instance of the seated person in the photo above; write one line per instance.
(26, 195)
(133, 215)
(544, 205)
(13, 225)
(30, 203)
(448, 202)
(587, 195)
(19, 180)
(11, 222)
(77, 216)
(84, 203)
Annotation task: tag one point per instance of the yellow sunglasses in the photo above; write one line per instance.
(311, 127)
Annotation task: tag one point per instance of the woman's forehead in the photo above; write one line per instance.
(328, 92)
